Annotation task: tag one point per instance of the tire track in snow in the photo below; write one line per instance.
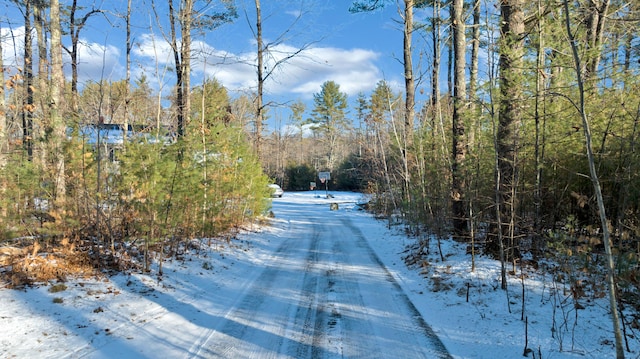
(325, 294)
(438, 350)
(241, 333)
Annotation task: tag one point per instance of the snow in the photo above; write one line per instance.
(138, 315)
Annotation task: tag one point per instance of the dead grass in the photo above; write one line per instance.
(20, 266)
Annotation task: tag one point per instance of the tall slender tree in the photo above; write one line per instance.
(76, 24)
(409, 80)
(40, 25)
(186, 16)
(460, 109)
(260, 73)
(297, 112)
(511, 52)
(597, 11)
(28, 107)
(177, 60)
(410, 99)
(55, 109)
(435, 66)
(595, 181)
(538, 119)
(3, 118)
(264, 69)
(475, 54)
(127, 100)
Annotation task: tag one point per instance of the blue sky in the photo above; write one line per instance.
(354, 50)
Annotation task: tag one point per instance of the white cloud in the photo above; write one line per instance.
(293, 130)
(302, 75)
(12, 47)
(294, 13)
(354, 69)
(96, 62)
(152, 50)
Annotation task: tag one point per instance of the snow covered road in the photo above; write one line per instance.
(323, 294)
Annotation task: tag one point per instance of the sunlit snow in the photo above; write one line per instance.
(137, 315)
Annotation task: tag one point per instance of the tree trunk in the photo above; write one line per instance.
(511, 54)
(435, 76)
(473, 76)
(43, 71)
(475, 51)
(3, 125)
(178, 67)
(185, 51)
(56, 120)
(611, 283)
(460, 109)
(3, 135)
(539, 128)
(75, 26)
(409, 84)
(595, 30)
(259, 106)
(74, 33)
(409, 113)
(28, 105)
(127, 96)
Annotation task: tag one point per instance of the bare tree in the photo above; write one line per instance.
(604, 223)
(260, 72)
(180, 88)
(265, 70)
(409, 80)
(75, 26)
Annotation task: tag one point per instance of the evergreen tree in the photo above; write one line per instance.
(329, 117)
(211, 102)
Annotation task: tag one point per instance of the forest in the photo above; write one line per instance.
(536, 160)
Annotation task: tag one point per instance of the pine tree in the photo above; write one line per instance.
(329, 117)
(460, 110)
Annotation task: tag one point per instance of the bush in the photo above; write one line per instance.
(299, 176)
